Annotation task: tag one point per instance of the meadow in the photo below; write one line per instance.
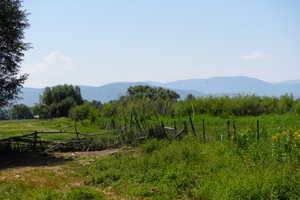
(10, 128)
(231, 162)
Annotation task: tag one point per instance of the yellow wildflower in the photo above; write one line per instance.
(274, 137)
(297, 135)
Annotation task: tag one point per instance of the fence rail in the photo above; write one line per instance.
(138, 131)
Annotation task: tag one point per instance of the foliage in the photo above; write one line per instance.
(297, 107)
(84, 193)
(12, 25)
(250, 105)
(239, 106)
(58, 100)
(286, 145)
(21, 111)
(189, 169)
(4, 115)
(285, 103)
(25, 191)
(145, 100)
(97, 104)
(43, 111)
(85, 111)
(152, 93)
(190, 97)
(147, 108)
(222, 167)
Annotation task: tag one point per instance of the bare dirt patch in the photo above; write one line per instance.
(88, 153)
(50, 170)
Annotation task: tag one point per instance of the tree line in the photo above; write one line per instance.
(149, 102)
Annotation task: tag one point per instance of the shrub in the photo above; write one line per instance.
(84, 193)
(82, 112)
(21, 111)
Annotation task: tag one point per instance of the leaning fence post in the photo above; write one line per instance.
(234, 130)
(163, 129)
(113, 123)
(125, 126)
(186, 131)
(192, 125)
(138, 126)
(203, 130)
(131, 120)
(228, 128)
(35, 140)
(257, 130)
(75, 127)
(175, 127)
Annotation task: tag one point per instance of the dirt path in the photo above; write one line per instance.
(54, 171)
(89, 153)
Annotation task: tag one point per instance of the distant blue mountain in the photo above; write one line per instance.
(291, 82)
(197, 87)
(224, 85)
(104, 93)
(30, 96)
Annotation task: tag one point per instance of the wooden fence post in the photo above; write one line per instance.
(192, 125)
(186, 131)
(234, 129)
(125, 125)
(228, 128)
(75, 127)
(163, 129)
(131, 120)
(257, 130)
(175, 127)
(138, 126)
(113, 123)
(35, 140)
(203, 130)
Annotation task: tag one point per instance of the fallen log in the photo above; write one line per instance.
(179, 133)
(169, 129)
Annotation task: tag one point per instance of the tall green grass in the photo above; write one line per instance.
(189, 169)
(23, 191)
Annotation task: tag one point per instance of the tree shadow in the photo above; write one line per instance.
(29, 159)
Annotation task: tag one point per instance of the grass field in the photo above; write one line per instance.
(240, 167)
(19, 127)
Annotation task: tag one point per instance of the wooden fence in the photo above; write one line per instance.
(136, 132)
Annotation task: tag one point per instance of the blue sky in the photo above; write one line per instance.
(96, 42)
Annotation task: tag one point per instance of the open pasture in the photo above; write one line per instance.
(232, 162)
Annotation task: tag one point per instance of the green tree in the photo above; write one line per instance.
(4, 114)
(21, 111)
(286, 103)
(81, 112)
(97, 104)
(297, 107)
(42, 111)
(59, 100)
(153, 93)
(190, 97)
(13, 22)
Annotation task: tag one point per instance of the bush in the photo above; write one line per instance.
(82, 112)
(297, 107)
(84, 193)
(21, 111)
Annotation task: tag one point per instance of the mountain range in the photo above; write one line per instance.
(198, 87)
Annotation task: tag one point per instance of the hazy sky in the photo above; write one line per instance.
(94, 42)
